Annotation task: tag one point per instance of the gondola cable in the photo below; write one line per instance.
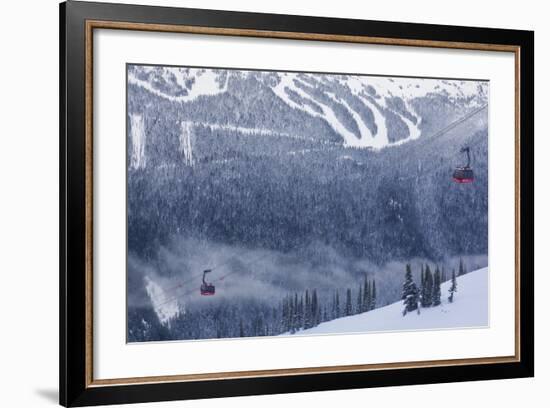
(221, 278)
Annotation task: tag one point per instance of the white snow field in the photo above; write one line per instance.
(164, 310)
(470, 308)
(205, 83)
(137, 159)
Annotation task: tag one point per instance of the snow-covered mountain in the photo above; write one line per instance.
(337, 158)
(469, 309)
(363, 111)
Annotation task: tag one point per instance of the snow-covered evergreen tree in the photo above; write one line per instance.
(307, 312)
(365, 295)
(295, 315)
(409, 294)
(301, 313)
(359, 305)
(373, 295)
(349, 308)
(436, 294)
(285, 314)
(315, 310)
(453, 287)
(427, 288)
(368, 298)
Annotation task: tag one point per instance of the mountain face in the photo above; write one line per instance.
(292, 161)
(351, 110)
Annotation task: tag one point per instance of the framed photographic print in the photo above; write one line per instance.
(256, 203)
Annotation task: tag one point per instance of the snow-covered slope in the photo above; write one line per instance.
(469, 309)
(365, 111)
(177, 84)
(163, 309)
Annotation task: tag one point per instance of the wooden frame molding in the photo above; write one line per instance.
(78, 22)
(112, 25)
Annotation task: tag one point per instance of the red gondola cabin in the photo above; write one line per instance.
(464, 174)
(207, 289)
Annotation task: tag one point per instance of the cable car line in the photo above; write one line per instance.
(198, 275)
(459, 121)
(464, 174)
(171, 299)
(221, 278)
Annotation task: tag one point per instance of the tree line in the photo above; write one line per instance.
(295, 312)
(253, 318)
(306, 310)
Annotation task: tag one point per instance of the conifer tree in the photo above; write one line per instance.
(241, 328)
(301, 314)
(337, 303)
(272, 322)
(365, 294)
(368, 298)
(285, 314)
(295, 315)
(359, 306)
(373, 295)
(260, 327)
(307, 312)
(422, 284)
(315, 311)
(409, 294)
(453, 287)
(427, 288)
(348, 308)
(461, 268)
(436, 294)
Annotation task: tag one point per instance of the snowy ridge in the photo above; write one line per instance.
(414, 130)
(404, 88)
(367, 139)
(380, 120)
(469, 309)
(287, 82)
(294, 89)
(410, 88)
(200, 82)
